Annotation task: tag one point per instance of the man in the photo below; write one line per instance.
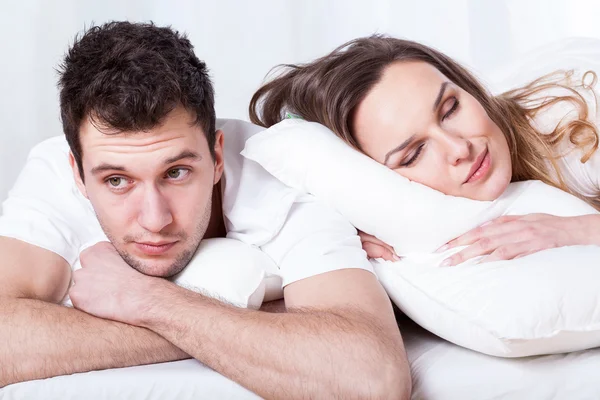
(144, 153)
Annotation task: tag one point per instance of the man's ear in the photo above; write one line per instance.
(219, 160)
(77, 175)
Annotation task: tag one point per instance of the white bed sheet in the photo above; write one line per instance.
(179, 380)
(440, 371)
(444, 371)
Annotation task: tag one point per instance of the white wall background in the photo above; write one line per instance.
(241, 40)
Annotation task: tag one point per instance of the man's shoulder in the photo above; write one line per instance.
(54, 150)
(237, 130)
(45, 208)
(48, 164)
(56, 143)
(255, 203)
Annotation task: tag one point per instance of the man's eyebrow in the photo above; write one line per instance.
(186, 154)
(107, 167)
(440, 95)
(399, 148)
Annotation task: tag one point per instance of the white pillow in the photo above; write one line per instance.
(309, 157)
(540, 304)
(231, 271)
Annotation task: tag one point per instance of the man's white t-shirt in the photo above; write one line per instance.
(303, 237)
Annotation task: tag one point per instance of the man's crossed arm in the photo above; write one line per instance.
(338, 339)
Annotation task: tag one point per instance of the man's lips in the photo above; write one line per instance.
(156, 248)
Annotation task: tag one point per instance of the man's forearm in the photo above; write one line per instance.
(40, 340)
(299, 354)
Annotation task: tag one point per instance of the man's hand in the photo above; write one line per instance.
(376, 248)
(72, 341)
(107, 287)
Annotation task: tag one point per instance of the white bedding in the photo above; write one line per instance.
(179, 380)
(444, 371)
(440, 371)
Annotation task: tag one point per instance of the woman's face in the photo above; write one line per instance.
(427, 129)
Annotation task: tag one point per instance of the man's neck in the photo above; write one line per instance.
(216, 225)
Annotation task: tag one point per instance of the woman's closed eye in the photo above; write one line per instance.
(454, 106)
(413, 157)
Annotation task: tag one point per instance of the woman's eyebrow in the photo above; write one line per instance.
(440, 95)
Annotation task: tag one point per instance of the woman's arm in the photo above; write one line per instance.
(511, 237)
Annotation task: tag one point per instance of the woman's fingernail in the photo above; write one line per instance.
(395, 257)
(447, 262)
(443, 248)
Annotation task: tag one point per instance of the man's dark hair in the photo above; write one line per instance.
(127, 77)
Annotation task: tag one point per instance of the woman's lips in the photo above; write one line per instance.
(480, 167)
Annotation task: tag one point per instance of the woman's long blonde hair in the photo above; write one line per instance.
(329, 89)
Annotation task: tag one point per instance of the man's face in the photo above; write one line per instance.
(151, 191)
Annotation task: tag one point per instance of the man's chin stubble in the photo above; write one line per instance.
(180, 263)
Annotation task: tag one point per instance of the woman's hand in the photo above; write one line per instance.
(511, 237)
(375, 248)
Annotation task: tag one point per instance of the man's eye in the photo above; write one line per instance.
(174, 173)
(116, 181)
(177, 173)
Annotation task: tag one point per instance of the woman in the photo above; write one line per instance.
(418, 112)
